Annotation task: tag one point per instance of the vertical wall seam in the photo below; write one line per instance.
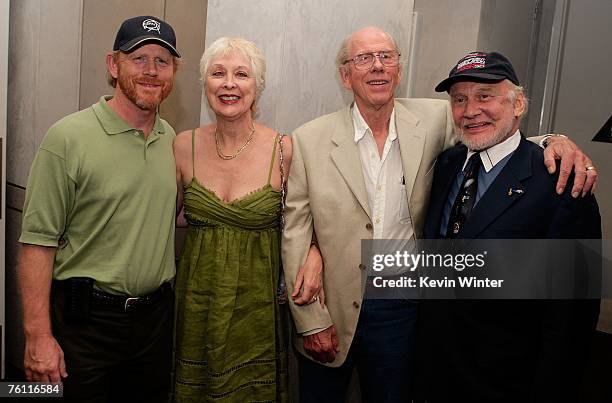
(554, 57)
(200, 84)
(283, 59)
(80, 55)
(413, 44)
(4, 38)
(559, 64)
(36, 81)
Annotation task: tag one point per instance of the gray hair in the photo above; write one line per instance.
(224, 46)
(515, 90)
(343, 52)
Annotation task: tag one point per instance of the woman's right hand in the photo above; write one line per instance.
(181, 221)
(309, 280)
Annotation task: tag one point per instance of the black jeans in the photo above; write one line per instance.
(382, 351)
(117, 356)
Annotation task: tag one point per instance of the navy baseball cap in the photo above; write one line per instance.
(137, 31)
(480, 67)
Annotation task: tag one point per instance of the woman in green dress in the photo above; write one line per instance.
(230, 344)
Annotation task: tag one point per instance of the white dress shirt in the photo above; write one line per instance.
(493, 159)
(383, 176)
(494, 154)
(384, 181)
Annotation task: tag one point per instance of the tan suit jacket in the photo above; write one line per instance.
(326, 194)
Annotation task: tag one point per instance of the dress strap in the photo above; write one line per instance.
(193, 153)
(273, 157)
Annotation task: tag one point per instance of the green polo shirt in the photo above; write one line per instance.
(105, 198)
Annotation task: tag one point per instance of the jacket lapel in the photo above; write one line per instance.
(501, 194)
(411, 141)
(347, 159)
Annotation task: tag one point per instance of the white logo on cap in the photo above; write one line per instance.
(471, 63)
(151, 25)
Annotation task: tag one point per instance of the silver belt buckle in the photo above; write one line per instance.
(130, 302)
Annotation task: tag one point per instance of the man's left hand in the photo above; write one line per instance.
(585, 179)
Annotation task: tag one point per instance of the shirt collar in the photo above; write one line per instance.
(361, 127)
(492, 155)
(113, 124)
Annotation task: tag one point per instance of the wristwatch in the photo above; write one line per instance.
(548, 136)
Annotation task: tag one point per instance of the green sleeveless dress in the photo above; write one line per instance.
(230, 345)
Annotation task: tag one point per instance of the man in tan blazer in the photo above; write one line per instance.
(363, 172)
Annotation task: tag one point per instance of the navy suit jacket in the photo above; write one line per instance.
(502, 350)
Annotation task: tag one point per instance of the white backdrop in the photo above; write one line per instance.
(300, 40)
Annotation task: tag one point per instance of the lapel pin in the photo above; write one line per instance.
(517, 191)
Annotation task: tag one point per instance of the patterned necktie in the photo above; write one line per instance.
(462, 207)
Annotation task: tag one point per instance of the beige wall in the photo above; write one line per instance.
(300, 40)
(44, 66)
(101, 19)
(182, 108)
(447, 30)
(506, 27)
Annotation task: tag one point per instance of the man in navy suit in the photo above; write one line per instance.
(494, 186)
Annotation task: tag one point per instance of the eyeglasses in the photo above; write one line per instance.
(365, 61)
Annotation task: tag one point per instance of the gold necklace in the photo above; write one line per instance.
(238, 151)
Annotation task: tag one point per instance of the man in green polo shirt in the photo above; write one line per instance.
(97, 252)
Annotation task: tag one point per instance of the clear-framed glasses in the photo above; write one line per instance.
(365, 61)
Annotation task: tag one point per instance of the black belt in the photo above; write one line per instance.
(125, 303)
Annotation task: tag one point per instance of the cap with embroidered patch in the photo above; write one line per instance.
(137, 31)
(480, 67)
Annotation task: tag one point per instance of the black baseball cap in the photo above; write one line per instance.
(480, 67)
(137, 31)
